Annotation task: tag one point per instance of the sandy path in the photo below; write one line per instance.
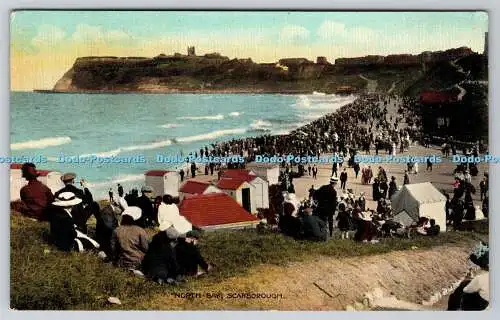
(331, 284)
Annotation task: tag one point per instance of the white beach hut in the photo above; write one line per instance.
(163, 182)
(51, 179)
(267, 171)
(241, 191)
(261, 191)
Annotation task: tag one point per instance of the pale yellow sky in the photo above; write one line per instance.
(44, 44)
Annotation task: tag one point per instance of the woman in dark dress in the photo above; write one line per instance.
(375, 190)
(160, 263)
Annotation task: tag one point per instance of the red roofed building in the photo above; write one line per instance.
(192, 187)
(240, 190)
(163, 182)
(437, 97)
(261, 192)
(243, 174)
(216, 211)
(16, 166)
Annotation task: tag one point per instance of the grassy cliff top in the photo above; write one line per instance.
(43, 278)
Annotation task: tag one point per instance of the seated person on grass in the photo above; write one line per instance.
(129, 242)
(434, 229)
(189, 256)
(63, 227)
(35, 196)
(160, 262)
(314, 229)
(106, 223)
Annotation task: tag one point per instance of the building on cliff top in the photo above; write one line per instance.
(294, 61)
(322, 60)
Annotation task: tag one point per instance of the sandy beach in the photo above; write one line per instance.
(441, 175)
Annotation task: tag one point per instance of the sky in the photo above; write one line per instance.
(45, 44)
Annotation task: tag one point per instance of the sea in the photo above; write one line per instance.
(142, 126)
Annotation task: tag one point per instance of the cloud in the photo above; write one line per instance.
(48, 35)
(330, 29)
(292, 33)
(96, 35)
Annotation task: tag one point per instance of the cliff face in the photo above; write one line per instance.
(214, 72)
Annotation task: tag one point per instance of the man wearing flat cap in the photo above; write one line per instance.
(327, 202)
(146, 204)
(35, 196)
(81, 212)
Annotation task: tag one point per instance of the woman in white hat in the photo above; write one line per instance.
(170, 219)
(63, 229)
(129, 242)
(473, 294)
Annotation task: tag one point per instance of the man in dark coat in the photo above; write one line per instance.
(343, 179)
(120, 190)
(193, 169)
(314, 228)
(356, 169)
(392, 187)
(376, 190)
(327, 202)
(144, 202)
(88, 207)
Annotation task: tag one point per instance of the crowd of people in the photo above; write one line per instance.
(172, 253)
(120, 232)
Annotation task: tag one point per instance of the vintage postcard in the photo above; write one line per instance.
(246, 160)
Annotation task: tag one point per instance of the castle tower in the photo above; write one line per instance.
(191, 51)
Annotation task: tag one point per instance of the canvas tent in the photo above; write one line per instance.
(404, 218)
(421, 200)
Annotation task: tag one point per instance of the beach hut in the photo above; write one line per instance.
(192, 187)
(51, 179)
(421, 200)
(163, 182)
(267, 171)
(16, 181)
(261, 194)
(214, 211)
(241, 191)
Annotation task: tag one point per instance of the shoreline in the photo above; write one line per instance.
(177, 91)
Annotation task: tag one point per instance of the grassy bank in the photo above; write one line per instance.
(43, 278)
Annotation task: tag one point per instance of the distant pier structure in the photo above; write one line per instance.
(191, 51)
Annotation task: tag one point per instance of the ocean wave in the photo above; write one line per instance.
(211, 135)
(260, 124)
(117, 179)
(316, 93)
(235, 114)
(171, 125)
(281, 132)
(115, 152)
(217, 117)
(41, 143)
